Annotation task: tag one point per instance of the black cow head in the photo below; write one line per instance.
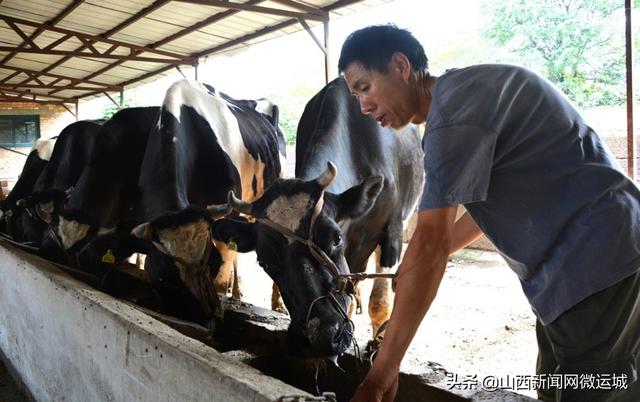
(28, 218)
(37, 211)
(69, 233)
(318, 323)
(182, 260)
(7, 222)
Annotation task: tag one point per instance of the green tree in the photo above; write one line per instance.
(110, 109)
(576, 44)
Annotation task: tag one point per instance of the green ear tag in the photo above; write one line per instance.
(109, 258)
(232, 245)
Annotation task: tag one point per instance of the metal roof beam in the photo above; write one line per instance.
(8, 77)
(96, 55)
(31, 94)
(27, 40)
(137, 16)
(211, 20)
(113, 100)
(89, 39)
(58, 77)
(313, 36)
(42, 102)
(59, 87)
(247, 37)
(206, 22)
(257, 9)
(303, 7)
(68, 10)
(70, 111)
(284, 24)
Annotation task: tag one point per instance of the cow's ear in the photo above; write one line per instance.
(236, 233)
(275, 115)
(359, 199)
(143, 231)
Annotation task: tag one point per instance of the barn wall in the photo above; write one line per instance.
(53, 118)
(70, 342)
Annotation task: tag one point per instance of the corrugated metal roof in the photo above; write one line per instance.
(64, 50)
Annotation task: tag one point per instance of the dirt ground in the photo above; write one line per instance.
(480, 322)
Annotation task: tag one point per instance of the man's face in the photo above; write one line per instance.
(384, 96)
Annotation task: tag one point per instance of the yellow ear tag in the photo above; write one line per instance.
(109, 258)
(232, 245)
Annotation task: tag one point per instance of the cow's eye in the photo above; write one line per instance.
(337, 241)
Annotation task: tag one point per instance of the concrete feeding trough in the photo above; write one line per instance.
(68, 341)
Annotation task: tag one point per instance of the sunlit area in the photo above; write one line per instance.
(153, 256)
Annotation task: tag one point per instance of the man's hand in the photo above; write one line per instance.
(416, 284)
(380, 385)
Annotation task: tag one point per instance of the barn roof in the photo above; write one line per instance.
(65, 50)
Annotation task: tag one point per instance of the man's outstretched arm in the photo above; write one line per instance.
(465, 232)
(416, 284)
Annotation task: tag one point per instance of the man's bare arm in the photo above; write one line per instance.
(465, 232)
(416, 285)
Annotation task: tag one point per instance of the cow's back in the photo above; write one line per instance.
(31, 171)
(205, 145)
(71, 154)
(107, 189)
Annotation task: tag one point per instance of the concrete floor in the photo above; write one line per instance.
(9, 390)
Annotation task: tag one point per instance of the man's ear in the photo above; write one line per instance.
(400, 62)
(359, 199)
(237, 233)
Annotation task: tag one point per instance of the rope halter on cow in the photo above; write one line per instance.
(343, 282)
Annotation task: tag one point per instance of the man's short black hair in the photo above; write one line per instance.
(373, 46)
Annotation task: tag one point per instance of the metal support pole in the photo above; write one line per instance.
(327, 74)
(77, 109)
(195, 70)
(121, 97)
(631, 140)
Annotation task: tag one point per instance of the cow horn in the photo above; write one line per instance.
(143, 231)
(219, 211)
(329, 175)
(239, 205)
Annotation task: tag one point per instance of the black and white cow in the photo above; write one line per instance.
(10, 214)
(205, 145)
(106, 197)
(347, 214)
(70, 156)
